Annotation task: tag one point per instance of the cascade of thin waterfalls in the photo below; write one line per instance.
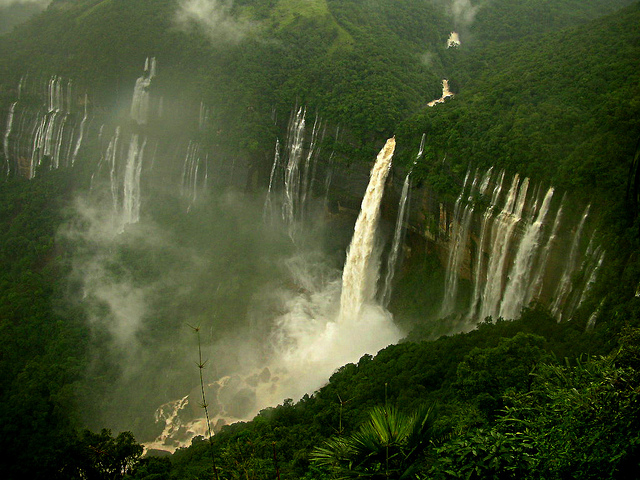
(503, 230)
(457, 246)
(308, 178)
(360, 273)
(267, 211)
(537, 282)
(81, 133)
(131, 184)
(392, 259)
(564, 285)
(599, 255)
(479, 274)
(190, 173)
(141, 100)
(112, 157)
(7, 134)
(37, 137)
(295, 137)
(518, 279)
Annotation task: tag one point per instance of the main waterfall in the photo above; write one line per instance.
(361, 269)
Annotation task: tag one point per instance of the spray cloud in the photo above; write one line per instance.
(214, 18)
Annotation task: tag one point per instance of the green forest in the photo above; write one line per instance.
(548, 89)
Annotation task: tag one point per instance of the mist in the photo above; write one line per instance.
(163, 242)
(214, 18)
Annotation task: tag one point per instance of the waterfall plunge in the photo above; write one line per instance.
(312, 337)
(360, 274)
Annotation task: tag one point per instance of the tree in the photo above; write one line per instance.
(99, 456)
(388, 445)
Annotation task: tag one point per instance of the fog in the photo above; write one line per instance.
(213, 18)
(167, 239)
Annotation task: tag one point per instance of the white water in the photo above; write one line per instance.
(516, 289)
(502, 234)
(537, 282)
(131, 182)
(360, 274)
(564, 285)
(457, 246)
(82, 128)
(267, 211)
(479, 275)
(7, 134)
(593, 276)
(446, 93)
(140, 103)
(392, 259)
(291, 202)
(312, 337)
(453, 40)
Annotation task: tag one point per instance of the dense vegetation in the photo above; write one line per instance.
(536, 92)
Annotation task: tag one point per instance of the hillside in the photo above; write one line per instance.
(171, 165)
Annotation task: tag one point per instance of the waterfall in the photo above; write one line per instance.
(385, 296)
(457, 247)
(593, 275)
(564, 285)
(502, 234)
(295, 137)
(360, 274)
(309, 168)
(453, 40)
(48, 130)
(446, 93)
(392, 259)
(131, 185)
(81, 134)
(112, 157)
(141, 99)
(511, 262)
(516, 289)
(7, 134)
(537, 282)
(267, 211)
(479, 274)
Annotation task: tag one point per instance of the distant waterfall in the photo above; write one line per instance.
(458, 243)
(7, 134)
(295, 138)
(502, 235)
(564, 285)
(480, 274)
(510, 264)
(131, 184)
(43, 136)
(267, 211)
(141, 101)
(81, 133)
(195, 166)
(360, 273)
(293, 179)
